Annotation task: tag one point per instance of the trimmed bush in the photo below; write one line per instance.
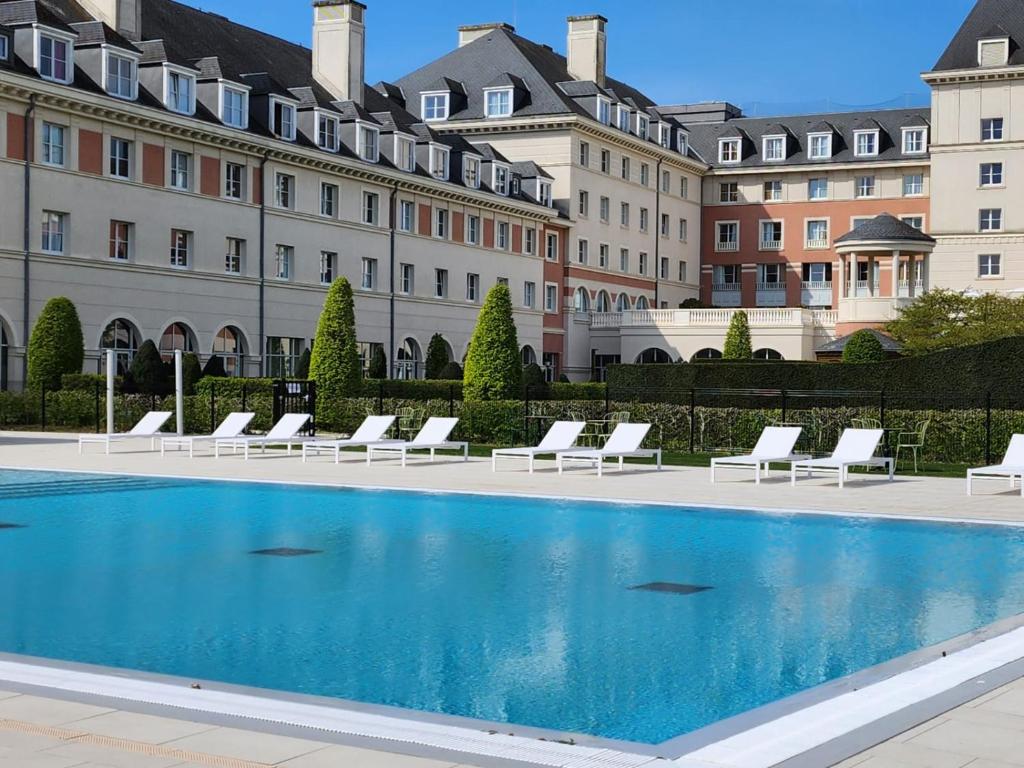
(691, 304)
(437, 356)
(86, 382)
(737, 338)
(191, 372)
(149, 375)
(534, 383)
(494, 370)
(378, 364)
(302, 364)
(334, 364)
(214, 368)
(56, 346)
(451, 372)
(863, 347)
(231, 386)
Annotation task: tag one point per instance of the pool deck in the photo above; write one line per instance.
(42, 728)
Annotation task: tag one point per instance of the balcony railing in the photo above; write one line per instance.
(771, 245)
(726, 294)
(817, 244)
(903, 288)
(727, 246)
(714, 318)
(770, 294)
(816, 293)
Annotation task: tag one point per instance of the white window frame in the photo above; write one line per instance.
(643, 126)
(544, 196)
(992, 184)
(233, 258)
(230, 182)
(665, 135)
(325, 139)
(176, 260)
(623, 260)
(582, 251)
(368, 274)
(992, 123)
(862, 191)
(472, 229)
(47, 235)
(328, 267)
(819, 243)
(773, 198)
(773, 140)
(109, 55)
(501, 235)
(530, 241)
(363, 147)
(442, 223)
(170, 72)
(128, 144)
(506, 174)
(370, 204)
(440, 161)
(603, 111)
(1005, 41)
(727, 246)
(623, 118)
(284, 261)
(682, 142)
(116, 241)
(989, 274)
(472, 287)
(284, 183)
(817, 178)
(736, 143)
(551, 298)
(335, 200)
(551, 254)
(287, 106)
(440, 283)
(774, 244)
(908, 134)
(5, 48)
(403, 143)
(584, 154)
(990, 218)
(438, 112)
(180, 178)
(471, 170)
(49, 146)
(406, 279)
(506, 91)
(406, 215)
(874, 134)
(827, 153)
(904, 185)
(222, 104)
(529, 294)
(69, 53)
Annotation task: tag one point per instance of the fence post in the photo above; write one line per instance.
(693, 418)
(988, 427)
(451, 400)
(783, 406)
(607, 399)
(380, 397)
(245, 395)
(97, 393)
(42, 407)
(526, 414)
(213, 406)
(881, 408)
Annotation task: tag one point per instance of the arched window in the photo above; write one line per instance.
(122, 337)
(707, 354)
(229, 346)
(176, 336)
(409, 361)
(653, 355)
(581, 300)
(603, 303)
(641, 302)
(622, 303)
(4, 344)
(766, 354)
(528, 355)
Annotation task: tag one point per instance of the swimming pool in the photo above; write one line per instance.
(631, 622)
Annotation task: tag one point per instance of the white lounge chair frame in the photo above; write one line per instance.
(370, 432)
(232, 426)
(560, 437)
(148, 426)
(1012, 466)
(856, 448)
(774, 445)
(624, 442)
(282, 433)
(433, 436)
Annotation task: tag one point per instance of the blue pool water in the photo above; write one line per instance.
(505, 609)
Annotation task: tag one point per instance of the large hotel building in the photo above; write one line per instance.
(186, 179)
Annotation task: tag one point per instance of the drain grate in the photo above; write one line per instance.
(5, 526)
(672, 587)
(286, 552)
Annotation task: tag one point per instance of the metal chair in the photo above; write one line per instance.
(913, 441)
(409, 421)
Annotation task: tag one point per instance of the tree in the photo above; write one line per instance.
(535, 384)
(334, 364)
(149, 373)
(191, 372)
(56, 346)
(944, 319)
(737, 338)
(451, 372)
(215, 367)
(437, 356)
(378, 364)
(494, 370)
(691, 304)
(863, 347)
(302, 366)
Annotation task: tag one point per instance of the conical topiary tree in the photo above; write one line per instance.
(863, 347)
(494, 370)
(150, 375)
(191, 372)
(378, 364)
(215, 367)
(56, 346)
(437, 356)
(334, 364)
(451, 372)
(737, 339)
(302, 366)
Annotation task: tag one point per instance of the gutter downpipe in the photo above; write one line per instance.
(26, 293)
(657, 233)
(392, 212)
(263, 277)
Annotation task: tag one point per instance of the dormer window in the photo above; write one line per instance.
(914, 141)
(282, 120)
(120, 75)
(683, 142)
(643, 126)
(327, 132)
(405, 153)
(368, 143)
(516, 185)
(54, 58)
(498, 102)
(471, 171)
(439, 162)
(665, 136)
(865, 143)
(994, 52)
(4, 48)
(819, 146)
(624, 118)
(729, 150)
(773, 149)
(544, 193)
(435, 106)
(234, 107)
(500, 180)
(179, 92)
(604, 111)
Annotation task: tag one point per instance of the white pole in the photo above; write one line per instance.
(179, 392)
(111, 374)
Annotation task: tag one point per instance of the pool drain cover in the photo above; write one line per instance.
(286, 552)
(4, 526)
(668, 586)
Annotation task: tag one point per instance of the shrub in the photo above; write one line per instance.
(148, 373)
(56, 346)
(691, 304)
(451, 372)
(334, 364)
(86, 382)
(378, 364)
(737, 338)
(302, 364)
(191, 372)
(563, 378)
(231, 386)
(863, 347)
(437, 356)
(214, 368)
(494, 370)
(534, 384)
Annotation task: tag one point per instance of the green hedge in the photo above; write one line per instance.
(232, 385)
(87, 382)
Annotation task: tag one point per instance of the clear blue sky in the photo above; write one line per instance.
(771, 58)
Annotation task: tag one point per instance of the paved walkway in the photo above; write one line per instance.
(43, 732)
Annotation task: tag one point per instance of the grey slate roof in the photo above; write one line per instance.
(96, 33)
(530, 170)
(988, 18)
(22, 12)
(885, 228)
(889, 344)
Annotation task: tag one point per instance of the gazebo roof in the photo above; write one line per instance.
(885, 228)
(889, 344)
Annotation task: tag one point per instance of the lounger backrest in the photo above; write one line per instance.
(1015, 453)
(626, 438)
(150, 423)
(372, 429)
(857, 444)
(233, 425)
(562, 434)
(776, 442)
(287, 426)
(435, 431)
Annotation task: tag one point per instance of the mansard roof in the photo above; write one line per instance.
(988, 18)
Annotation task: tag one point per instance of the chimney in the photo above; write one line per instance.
(125, 16)
(587, 48)
(471, 32)
(339, 45)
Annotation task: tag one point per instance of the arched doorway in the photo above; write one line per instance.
(410, 360)
(229, 346)
(642, 303)
(176, 336)
(123, 337)
(707, 354)
(653, 356)
(603, 302)
(766, 354)
(622, 303)
(529, 357)
(581, 300)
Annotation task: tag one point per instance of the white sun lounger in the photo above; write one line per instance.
(775, 444)
(148, 426)
(371, 431)
(282, 433)
(561, 437)
(433, 436)
(624, 442)
(1011, 467)
(232, 426)
(856, 448)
